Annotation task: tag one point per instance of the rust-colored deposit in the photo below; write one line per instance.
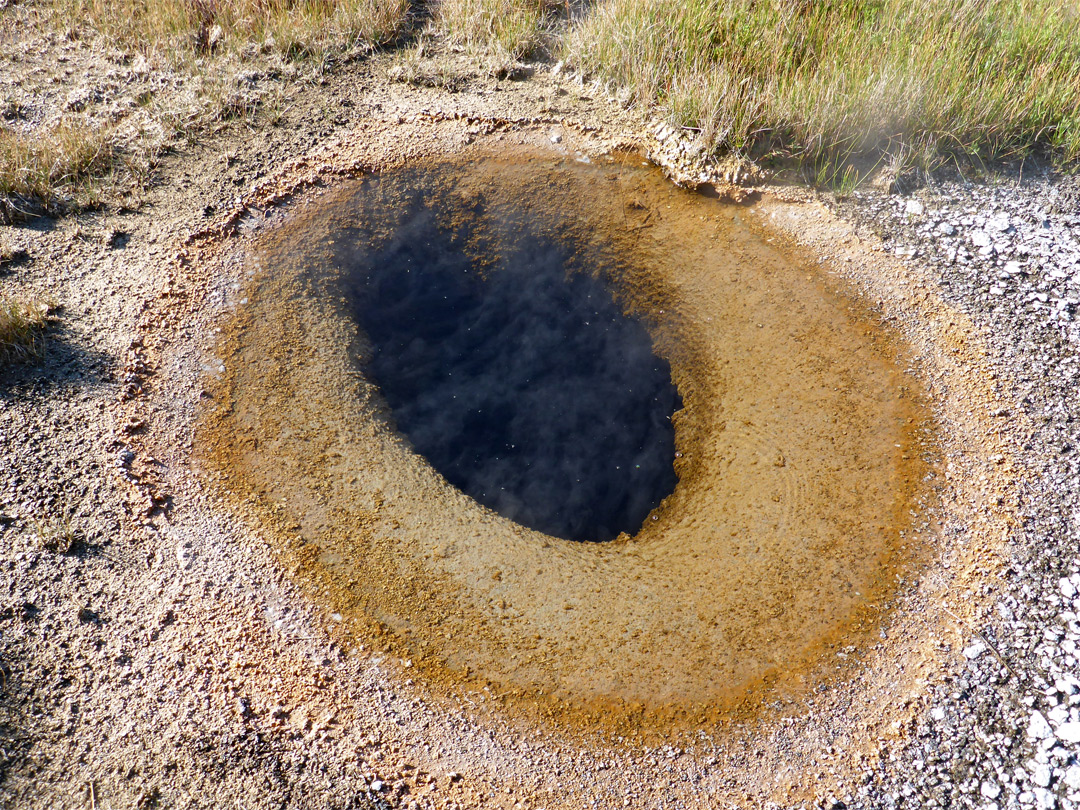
(802, 446)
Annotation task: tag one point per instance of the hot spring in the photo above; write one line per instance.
(448, 375)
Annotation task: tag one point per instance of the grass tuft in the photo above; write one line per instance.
(58, 533)
(513, 29)
(22, 329)
(56, 166)
(836, 84)
(196, 28)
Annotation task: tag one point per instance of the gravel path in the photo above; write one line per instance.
(1003, 729)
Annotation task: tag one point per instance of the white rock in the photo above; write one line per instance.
(990, 790)
(1038, 728)
(1072, 776)
(1000, 221)
(1040, 775)
(1069, 732)
(946, 229)
(974, 651)
(1057, 716)
(915, 208)
(1068, 590)
(980, 239)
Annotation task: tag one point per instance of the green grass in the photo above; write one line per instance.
(22, 328)
(833, 84)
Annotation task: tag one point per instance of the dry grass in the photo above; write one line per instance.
(22, 328)
(196, 28)
(210, 40)
(58, 533)
(829, 82)
(9, 254)
(511, 28)
(834, 86)
(47, 168)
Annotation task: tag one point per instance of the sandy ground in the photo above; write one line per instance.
(162, 644)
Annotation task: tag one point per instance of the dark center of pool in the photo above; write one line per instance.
(513, 369)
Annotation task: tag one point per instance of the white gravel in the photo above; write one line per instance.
(1002, 729)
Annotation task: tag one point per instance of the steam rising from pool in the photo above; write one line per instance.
(516, 374)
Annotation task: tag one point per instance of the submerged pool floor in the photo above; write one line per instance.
(394, 332)
(510, 366)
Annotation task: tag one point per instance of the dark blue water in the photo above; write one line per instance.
(524, 385)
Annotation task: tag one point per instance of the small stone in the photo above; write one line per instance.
(1072, 776)
(990, 790)
(556, 137)
(1040, 774)
(1068, 590)
(88, 616)
(1069, 733)
(914, 208)
(377, 785)
(1038, 728)
(946, 229)
(980, 239)
(974, 651)
(1000, 222)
